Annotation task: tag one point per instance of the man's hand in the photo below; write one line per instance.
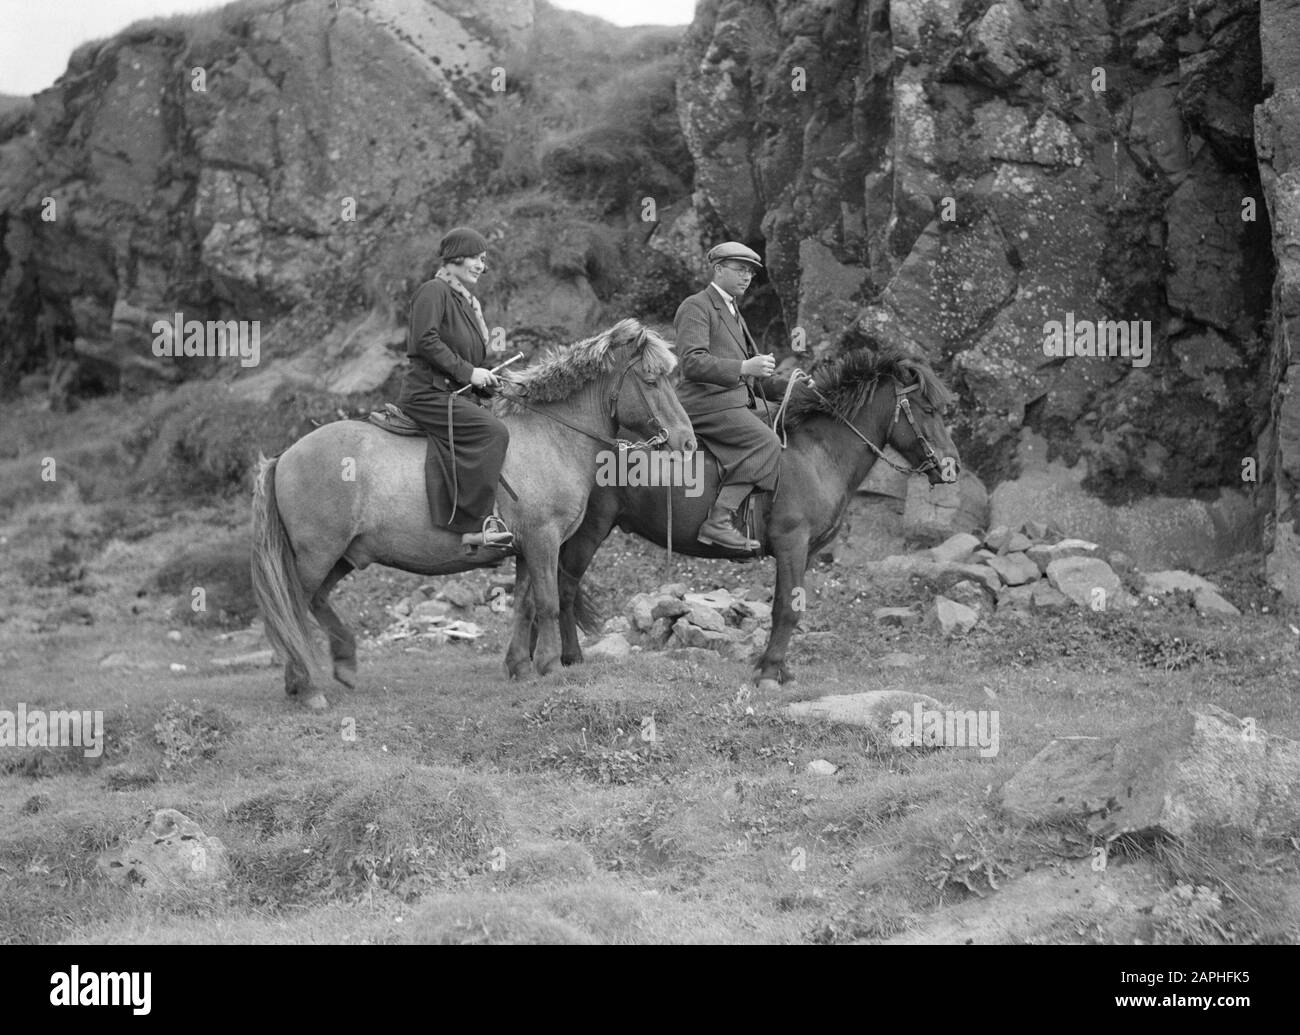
(484, 378)
(758, 366)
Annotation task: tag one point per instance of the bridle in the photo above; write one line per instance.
(901, 405)
(658, 439)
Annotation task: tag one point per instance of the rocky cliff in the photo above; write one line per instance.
(968, 178)
(295, 163)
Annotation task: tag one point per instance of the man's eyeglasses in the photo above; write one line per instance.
(746, 270)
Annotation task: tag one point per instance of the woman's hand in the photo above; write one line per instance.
(484, 378)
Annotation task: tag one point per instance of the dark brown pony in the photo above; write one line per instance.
(837, 429)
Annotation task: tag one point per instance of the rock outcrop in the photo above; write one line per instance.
(974, 181)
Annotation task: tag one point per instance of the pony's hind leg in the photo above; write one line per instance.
(343, 644)
(315, 574)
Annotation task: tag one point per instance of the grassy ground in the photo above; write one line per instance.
(440, 803)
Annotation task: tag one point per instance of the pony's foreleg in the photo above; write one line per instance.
(343, 644)
(575, 557)
(519, 653)
(788, 602)
(542, 554)
(570, 584)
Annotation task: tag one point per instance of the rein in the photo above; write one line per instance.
(901, 405)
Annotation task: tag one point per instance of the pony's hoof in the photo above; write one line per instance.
(347, 675)
(768, 686)
(317, 702)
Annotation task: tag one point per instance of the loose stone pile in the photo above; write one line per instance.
(1026, 569)
(731, 624)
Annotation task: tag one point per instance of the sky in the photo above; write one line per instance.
(38, 36)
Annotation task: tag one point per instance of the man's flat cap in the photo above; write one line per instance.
(733, 250)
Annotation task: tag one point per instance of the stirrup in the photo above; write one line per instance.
(494, 534)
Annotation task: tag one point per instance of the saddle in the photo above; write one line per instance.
(394, 421)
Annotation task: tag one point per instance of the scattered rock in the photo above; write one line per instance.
(665, 606)
(617, 624)
(1079, 577)
(955, 549)
(460, 594)
(997, 538)
(717, 599)
(1158, 582)
(1209, 602)
(172, 852)
(430, 611)
(895, 616)
(1018, 543)
(1044, 554)
(1019, 597)
(118, 659)
(1015, 569)
(1045, 597)
(932, 513)
(821, 767)
(759, 611)
(689, 635)
(705, 618)
(614, 646)
(968, 593)
(641, 610)
(1204, 768)
(954, 619)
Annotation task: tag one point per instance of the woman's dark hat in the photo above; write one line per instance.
(461, 242)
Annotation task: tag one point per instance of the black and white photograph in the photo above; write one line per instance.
(630, 473)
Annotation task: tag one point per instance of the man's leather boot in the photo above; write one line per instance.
(719, 529)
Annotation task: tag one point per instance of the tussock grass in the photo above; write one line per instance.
(401, 830)
(221, 569)
(469, 809)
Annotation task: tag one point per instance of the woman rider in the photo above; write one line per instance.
(447, 347)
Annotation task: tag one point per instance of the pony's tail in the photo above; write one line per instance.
(284, 606)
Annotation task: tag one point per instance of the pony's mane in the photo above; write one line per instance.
(564, 370)
(847, 380)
